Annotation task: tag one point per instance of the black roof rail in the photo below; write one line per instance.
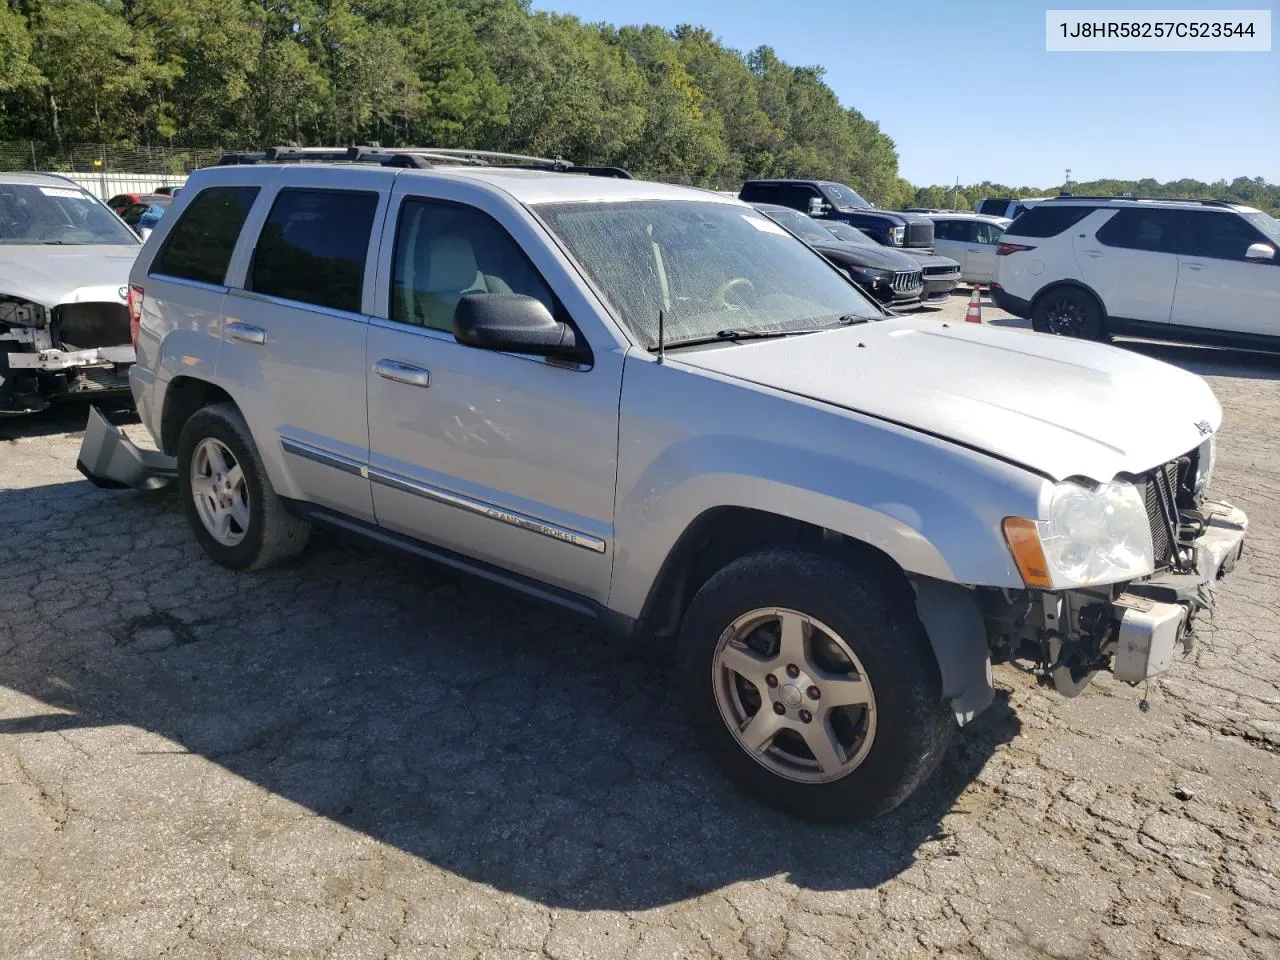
(1204, 203)
(417, 157)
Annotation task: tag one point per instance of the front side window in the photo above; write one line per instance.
(313, 247)
(1266, 224)
(57, 213)
(1155, 231)
(200, 244)
(444, 251)
(709, 267)
(1220, 236)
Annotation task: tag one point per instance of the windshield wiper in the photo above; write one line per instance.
(721, 336)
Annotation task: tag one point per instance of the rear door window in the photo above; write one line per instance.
(1155, 231)
(313, 247)
(1048, 220)
(199, 245)
(948, 230)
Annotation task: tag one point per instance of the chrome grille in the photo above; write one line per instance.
(906, 281)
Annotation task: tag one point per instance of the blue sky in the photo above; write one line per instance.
(966, 89)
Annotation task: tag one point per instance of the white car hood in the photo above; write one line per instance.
(53, 274)
(1064, 408)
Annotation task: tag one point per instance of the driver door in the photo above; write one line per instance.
(506, 459)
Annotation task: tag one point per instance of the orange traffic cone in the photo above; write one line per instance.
(974, 313)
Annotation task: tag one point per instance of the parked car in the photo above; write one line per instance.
(1203, 271)
(658, 407)
(122, 201)
(835, 201)
(64, 273)
(168, 191)
(146, 213)
(971, 239)
(1007, 207)
(940, 274)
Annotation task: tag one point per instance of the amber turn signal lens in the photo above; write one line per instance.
(1024, 543)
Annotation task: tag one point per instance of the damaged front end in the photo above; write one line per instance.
(77, 347)
(1137, 629)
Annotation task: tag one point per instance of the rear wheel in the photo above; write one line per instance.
(1069, 312)
(227, 497)
(813, 685)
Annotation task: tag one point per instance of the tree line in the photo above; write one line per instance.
(1254, 191)
(487, 74)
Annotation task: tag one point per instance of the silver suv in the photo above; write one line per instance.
(657, 407)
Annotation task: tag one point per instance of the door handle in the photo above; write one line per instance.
(246, 333)
(973, 249)
(1092, 253)
(1194, 266)
(403, 373)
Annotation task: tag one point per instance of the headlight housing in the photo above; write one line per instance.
(1206, 456)
(1093, 535)
(897, 235)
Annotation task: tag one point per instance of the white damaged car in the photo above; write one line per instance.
(64, 282)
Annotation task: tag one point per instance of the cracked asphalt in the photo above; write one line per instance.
(361, 755)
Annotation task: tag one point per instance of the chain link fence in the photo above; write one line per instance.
(108, 170)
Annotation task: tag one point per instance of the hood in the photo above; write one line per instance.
(898, 214)
(864, 255)
(51, 274)
(1063, 408)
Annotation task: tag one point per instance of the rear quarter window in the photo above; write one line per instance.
(1046, 220)
(200, 244)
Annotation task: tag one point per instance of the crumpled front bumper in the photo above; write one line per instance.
(110, 460)
(1155, 615)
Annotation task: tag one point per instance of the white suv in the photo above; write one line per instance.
(655, 406)
(1202, 271)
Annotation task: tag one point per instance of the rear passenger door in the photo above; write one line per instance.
(294, 331)
(1131, 262)
(980, 251)
(506, 459)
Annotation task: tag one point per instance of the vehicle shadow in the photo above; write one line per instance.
(1210, 361)
(67, 417)
(506, 741)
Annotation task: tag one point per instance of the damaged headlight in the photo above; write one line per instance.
(1093, 535)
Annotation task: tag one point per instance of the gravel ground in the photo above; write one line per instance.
(365, 756)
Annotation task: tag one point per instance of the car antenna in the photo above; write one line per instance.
(662, 339)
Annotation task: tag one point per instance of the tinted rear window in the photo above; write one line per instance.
(760, 192)
(994, 208)
(200, 244)
(1047, 220)
(313, 247)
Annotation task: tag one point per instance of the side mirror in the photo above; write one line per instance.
(816, 207)
(1260, 251)
(513, 323)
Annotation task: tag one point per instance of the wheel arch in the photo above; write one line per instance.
(183, 396)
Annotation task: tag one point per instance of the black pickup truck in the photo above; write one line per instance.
(834, 201)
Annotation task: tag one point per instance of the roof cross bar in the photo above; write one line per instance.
(417, 157)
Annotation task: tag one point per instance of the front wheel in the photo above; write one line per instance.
(1069, 312)
(813, 684)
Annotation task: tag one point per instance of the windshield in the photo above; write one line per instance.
(800, 224)
(35, 213)
(843, 196)
(709, 267)
(849, 234)
(1268, 224)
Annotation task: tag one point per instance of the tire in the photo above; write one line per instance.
(886, 747)
(260, 531)
(1070, 312)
